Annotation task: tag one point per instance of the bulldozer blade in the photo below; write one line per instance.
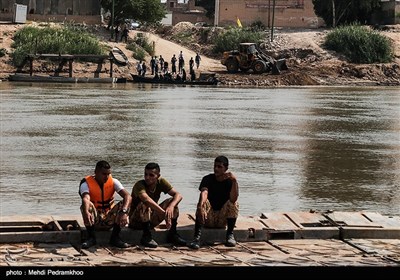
(282, 64)
(275, 70)
(279, 65)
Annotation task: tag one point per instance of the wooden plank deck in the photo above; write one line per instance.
(297, 252)
(256, 247)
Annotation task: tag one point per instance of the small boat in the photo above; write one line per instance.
(210, 80)
(118, 56)
(58, 79)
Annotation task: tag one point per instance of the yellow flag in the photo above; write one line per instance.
(238, 22)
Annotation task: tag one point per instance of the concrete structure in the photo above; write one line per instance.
(288, 13)
(182, 11)
(80, 11)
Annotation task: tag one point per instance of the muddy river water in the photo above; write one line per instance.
(292, 149)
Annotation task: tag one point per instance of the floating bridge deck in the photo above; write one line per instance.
(295, 239)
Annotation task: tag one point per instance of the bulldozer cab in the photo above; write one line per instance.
(249, 48)
(248, 52)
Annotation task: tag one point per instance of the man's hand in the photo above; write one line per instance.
(230, 175)
(168, 216)
(202, 215)
(88, 219)
(123, 220)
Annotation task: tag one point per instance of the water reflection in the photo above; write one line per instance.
(354, 153)
(292, 149)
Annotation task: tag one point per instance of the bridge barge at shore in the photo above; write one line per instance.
(293, 239)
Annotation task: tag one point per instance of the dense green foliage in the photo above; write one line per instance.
(346, 11)
(138, 52)
(66, 40)
(3, 52)
(184, 37)
(232, 37)
(258, 25)
(140, 45)
(144, 11)
(360, 44)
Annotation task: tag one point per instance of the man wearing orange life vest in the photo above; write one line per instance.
(98, 208)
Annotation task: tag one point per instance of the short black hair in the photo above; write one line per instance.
(153, 165)
(222, 159)
(102, 164)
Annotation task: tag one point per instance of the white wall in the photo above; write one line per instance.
(167, 20)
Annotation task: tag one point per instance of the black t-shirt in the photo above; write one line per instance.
(218, 192)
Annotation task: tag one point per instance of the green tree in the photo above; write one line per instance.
(340, 12)
(145, 11)
(208, 5)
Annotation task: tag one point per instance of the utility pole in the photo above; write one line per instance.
(216, 13)
(273, 20)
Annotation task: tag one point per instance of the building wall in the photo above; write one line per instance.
(87, 11)
(192, 17)
(288, 13)
(187, 12)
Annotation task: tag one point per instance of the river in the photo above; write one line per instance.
(292, 149)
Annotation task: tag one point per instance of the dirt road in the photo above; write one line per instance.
(167, 49)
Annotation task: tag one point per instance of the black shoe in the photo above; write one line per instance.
(230, 240)
(195, 244)
(117, 242)
(89, 243)
(175, 239)
(148, 241)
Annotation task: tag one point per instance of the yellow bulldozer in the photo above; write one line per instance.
(250, 57)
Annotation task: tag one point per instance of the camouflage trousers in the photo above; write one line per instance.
(104, 219)
(217, 219)
(143, 213)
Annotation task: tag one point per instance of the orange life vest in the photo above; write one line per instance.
(102, 198)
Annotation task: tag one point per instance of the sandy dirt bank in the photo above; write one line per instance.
(309, 63)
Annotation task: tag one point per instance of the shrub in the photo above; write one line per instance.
(257, 25)
(360, 44)
(144, 43)
(66, 40)
(138, 52)
(3, 52)
(184, 37)
(232, 37)
(204, 35)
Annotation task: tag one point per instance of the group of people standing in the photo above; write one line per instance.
(158, 65)
(217, 206)
(141, 68)
(123, 29)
